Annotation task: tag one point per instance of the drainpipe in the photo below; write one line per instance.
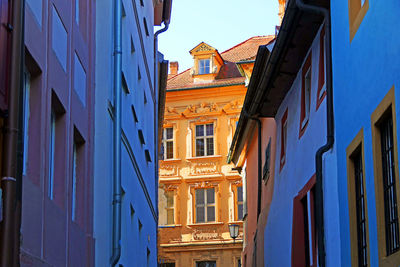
(116, 232)
(11, 182)
(330, 134)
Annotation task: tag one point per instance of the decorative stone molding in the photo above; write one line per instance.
(168, 169)
(202, 168)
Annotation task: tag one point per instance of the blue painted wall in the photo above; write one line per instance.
(364, 71)
(298, 170)
(139, 183)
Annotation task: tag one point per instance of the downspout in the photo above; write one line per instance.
(11, 182)
(116, 232)
(330, 134)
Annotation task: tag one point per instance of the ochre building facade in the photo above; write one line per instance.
(199, 193)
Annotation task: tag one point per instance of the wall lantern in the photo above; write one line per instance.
(234, 231)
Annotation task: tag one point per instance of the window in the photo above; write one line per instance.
(167, 146)
(204, 66)
(170, 207)
(204, 140)
(168, 264)
(357, 202)
(386, 175)
(25, 99)
(77, 11)
(266, 170)
(145, 27)
(78, 172)
(205, 205)
(305, 95)
(239, 202)
(322, 68)
(206, 264)
(283, 139)
(357, 11)
(389, 185)
(304, 249)
(52, 139)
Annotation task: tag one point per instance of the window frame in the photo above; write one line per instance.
(203, 69)
(305, 94)
(356, 147)
(204, 137)
(52, 144)
(26, 115)
(321, 92)
(237, 203)
(284, 125)
(165, 141)
(169, 208)
(205, 205)
(356, 15)
(385, 108)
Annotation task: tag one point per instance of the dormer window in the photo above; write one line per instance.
(204, 66)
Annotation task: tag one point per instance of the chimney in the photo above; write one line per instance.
(282, 7)
(173, 69)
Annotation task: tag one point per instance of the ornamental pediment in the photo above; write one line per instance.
(201, 48)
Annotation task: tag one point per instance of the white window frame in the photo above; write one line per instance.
(165, 140)
(204, 138)
(203, 69)
(307, 97)
(205, 205)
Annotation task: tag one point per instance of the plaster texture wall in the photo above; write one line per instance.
(365, 69)
(53, 233)
(139, 181)
(299, 166)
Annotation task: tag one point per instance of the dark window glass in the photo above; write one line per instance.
(360, 209)
(200, 147)
(389, 187)
(206, 264)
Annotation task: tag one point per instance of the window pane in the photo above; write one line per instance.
(162, 151)
(200, 147)
(239, 193)
(210, 129)
(210, 146)
(200, 214)
(199, 196)
(210, 196)
(240, 211)
(211, 214)
(170, 150)
(169, 133)
(170, 199)
(199, 130)
(170, 216)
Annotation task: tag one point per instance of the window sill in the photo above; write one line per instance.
(170, 226)
(205, 224)
(204, 157)
(170, 160)
(236, 222)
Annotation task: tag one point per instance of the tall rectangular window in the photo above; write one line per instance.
(205, 205)
(52, 139)
(167, 146)
(74, 182)
(25, 99)
(170, 207)
(239, 201)
(305, 95)
(360, 209)
(389, 187)
(283, 139)
(357, 202)
(204, 66)
(205, 140)
(321, 92)
(303, 234)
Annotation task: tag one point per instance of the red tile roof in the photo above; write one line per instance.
(228, 74)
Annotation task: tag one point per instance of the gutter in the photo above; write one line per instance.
(116, 203)
(330, 132)
(11, 181)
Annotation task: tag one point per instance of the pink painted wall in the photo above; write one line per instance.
(268, 131)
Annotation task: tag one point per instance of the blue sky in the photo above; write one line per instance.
(220, 23)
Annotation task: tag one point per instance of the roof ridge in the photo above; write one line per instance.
(239, 44)
(178, 74)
